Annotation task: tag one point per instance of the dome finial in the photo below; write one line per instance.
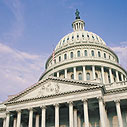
(77, 14)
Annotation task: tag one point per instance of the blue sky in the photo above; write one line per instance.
(29, 29)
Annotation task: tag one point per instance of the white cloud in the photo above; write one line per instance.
(121, 51)
(18, 70)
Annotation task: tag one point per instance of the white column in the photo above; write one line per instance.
(74, 69)
(102, 73)
(4, 122)
(18, 118)
(119, 113)
(14, 122)
(79, 121)
(102, 113)
(117, 76)
(65, 71)
(30, 117)
(122, 77)
(93, 70)
(111, 76)
(70, 114)
(37, 120)
(56, 115)
(58, 74)
(43, 121)
(75, 118)
(84, 73)
(7, 119)
(86, 116)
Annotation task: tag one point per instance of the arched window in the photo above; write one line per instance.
(59, 58)
(85, 52)
(71, 54)
(65, 56)
(54, 60)
(92, 53)
(80, 76)
(78, 53)
(104, 55)
(88, 76)
(72, 76)
(99, 54)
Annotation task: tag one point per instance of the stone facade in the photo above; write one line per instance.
(83, 86)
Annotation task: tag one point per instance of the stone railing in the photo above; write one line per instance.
(116, 85)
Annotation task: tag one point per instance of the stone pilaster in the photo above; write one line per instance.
(103, 76)
(56, 115)
(75, 118)
(18, 118)
(43, 121)
(37, 120)
(71, 114)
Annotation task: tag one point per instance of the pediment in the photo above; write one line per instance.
(50, 87)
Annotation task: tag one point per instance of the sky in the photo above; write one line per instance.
(29, 30)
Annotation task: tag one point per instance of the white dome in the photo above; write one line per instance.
(79, 37)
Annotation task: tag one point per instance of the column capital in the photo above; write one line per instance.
(43, 107)
(84, 100)
(7, 112)
(30, 108)
(56, 104)
(70, 102)
(18, 110)
(117, 101)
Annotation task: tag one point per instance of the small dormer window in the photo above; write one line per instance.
(65, 56)
(97, 37)
(71, 54)
(82, 35)
(78, 53)
(92, 36)
(99, 54)
(87, 35)
(59, 58)
(72, 37)
(85, 52)
(92, 53)
(67, 38)
(77, 36)
(104, 55)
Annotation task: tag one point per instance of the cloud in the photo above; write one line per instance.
(16, 29)
(121, 51)
(18, 70)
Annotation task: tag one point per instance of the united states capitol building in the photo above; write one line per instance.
(83, 86)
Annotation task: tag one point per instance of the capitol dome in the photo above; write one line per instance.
(83, 55)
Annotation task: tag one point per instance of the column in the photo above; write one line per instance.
(58, 74)
(102, 73)
(14, 122)
(43, 123)
(93, 70)
(75, 118)
(30, 117)
(18, 118)
(119, 113)
(84, 73)
(86, 117)
(74, 69)
(122, 77)
(111, 76)
(4, 122)
(37, 120)
(7, 119)
(65, 72)
(102, 113)
(117, 76)
(79, 121)
(70, 114)
(56, 115)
